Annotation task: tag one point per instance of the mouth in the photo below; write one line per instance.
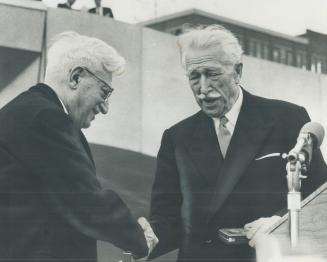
(95, 111)
(209, 99)
(212, 103)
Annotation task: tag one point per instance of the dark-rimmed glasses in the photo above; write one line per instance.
(107, 91)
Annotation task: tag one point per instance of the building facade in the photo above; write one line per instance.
(307, 51)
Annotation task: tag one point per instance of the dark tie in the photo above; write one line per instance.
(224, 136)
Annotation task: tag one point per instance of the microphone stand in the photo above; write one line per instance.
(294, 199)
(297, 163)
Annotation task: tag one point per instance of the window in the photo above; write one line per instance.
(289, 57)
(258, 48)
(324, 65)
(301, 59)
(265, 51)
(240, 40)
(283, 54)
(252, 48)
(276, 55)
(318, 64)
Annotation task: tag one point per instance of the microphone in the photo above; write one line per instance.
(310, 138)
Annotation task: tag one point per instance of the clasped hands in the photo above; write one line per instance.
(151, 238)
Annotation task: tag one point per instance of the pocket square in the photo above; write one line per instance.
(269, 155)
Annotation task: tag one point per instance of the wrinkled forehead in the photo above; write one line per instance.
(203, 58)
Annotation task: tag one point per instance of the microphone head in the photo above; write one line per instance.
(316, 130)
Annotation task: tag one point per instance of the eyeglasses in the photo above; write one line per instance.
(107, 90)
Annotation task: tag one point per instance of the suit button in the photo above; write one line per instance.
(208, 241)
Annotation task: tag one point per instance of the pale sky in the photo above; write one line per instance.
(291, 17)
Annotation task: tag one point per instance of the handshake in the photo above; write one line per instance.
(151, 238)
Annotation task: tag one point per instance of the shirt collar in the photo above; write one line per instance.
(233, 113)
(63, 105)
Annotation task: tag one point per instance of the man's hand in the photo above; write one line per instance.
(256, 229)
(151, 238)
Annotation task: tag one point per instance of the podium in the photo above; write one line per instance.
(313, 224)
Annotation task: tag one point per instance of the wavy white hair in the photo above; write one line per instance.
(211, 36)
(70, 49)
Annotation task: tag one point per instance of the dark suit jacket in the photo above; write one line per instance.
(51, 203)
(196, 192)
(106, 11)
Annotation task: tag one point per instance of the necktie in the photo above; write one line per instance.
(224, 136)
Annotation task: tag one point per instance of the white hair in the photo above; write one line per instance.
(70, 49)
(212, 36)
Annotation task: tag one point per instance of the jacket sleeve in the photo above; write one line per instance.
(56, 157)
(166, 200)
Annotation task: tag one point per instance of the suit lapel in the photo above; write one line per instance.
(52, 96)
(86, 147)
(251, 129)
(203, 149)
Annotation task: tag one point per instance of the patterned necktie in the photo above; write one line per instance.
(224, 136)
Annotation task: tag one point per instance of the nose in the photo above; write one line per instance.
(104, 107)
(205, 85)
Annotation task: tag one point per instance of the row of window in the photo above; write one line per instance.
(279, 53)
(285, 55)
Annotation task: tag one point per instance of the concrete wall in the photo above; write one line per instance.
(167, 98)
(121, 127)
(284, 82)
(288, 83)
(27, 31)
(20, 46)
(19, 70)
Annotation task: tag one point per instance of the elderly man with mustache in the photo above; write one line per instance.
(220, 168)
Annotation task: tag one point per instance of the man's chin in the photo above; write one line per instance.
(212, 112)
(88, 121)
(86, 125)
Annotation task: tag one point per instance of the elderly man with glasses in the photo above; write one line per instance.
(52, 206)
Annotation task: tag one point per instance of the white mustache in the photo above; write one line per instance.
(214, 95)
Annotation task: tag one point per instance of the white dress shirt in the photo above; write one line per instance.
(231, 115)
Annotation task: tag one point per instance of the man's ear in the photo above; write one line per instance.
(75, 75)
(238, 69)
